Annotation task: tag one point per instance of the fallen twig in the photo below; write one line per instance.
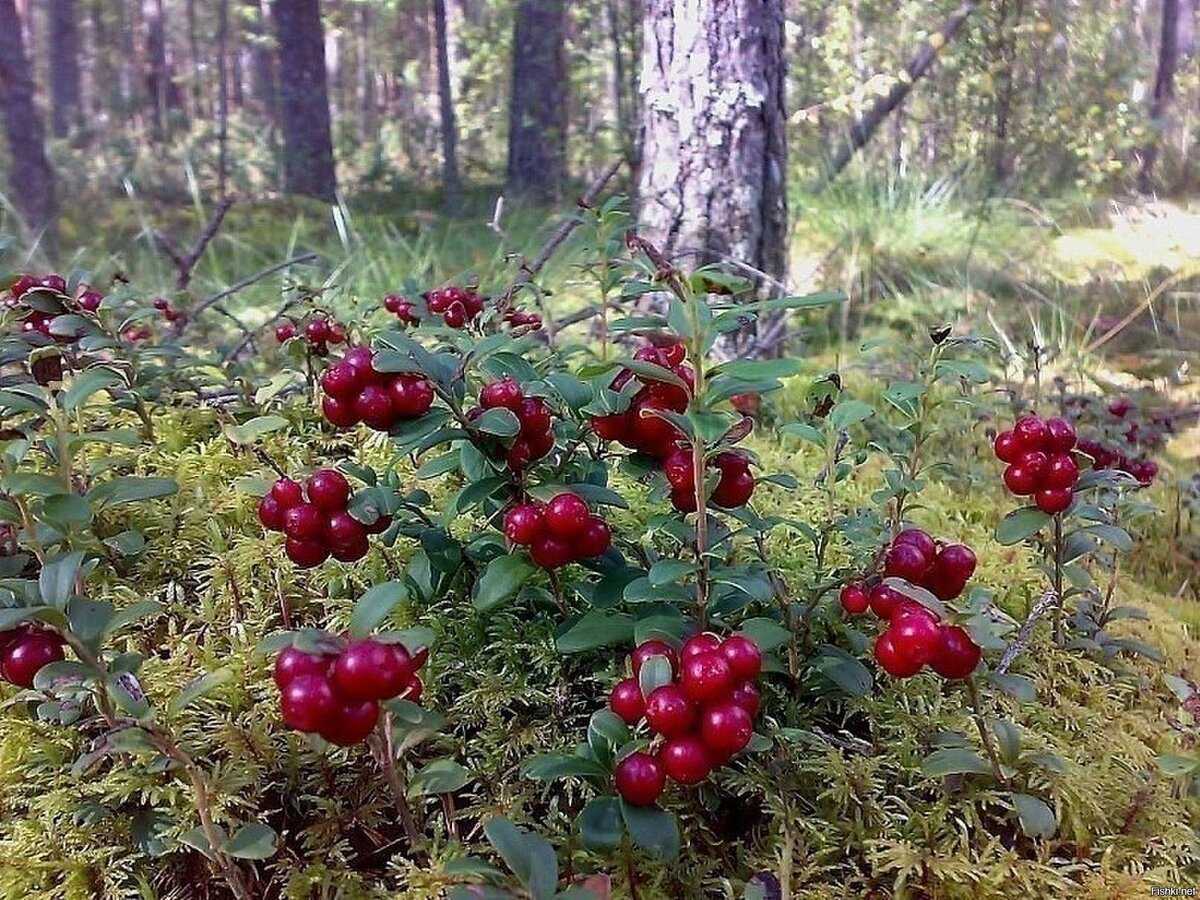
(186, 262)
(246, 282)
(1046, 602)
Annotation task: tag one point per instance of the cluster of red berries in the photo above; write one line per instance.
(1144, 470)
(337, 695)
(457, 307)
(1038, 452)
(317, 527)
(170, 313)
(559, 532)
(355, 392)
(87, 300)
(734, 488)
(319, 332)
(650, 434)
(536, 437)
(914, 636)
(705, 715)
(24, 650)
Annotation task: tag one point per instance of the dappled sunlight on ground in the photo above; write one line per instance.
(1139, 240)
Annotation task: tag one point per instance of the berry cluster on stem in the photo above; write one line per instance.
(317, 526)
(356, 392)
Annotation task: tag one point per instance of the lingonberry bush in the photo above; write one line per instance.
(459, 568)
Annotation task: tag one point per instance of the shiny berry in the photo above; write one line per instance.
(307, 702)
(291, 663)
(884, 600)
(551, 552)
(854, 598)
(505, 393)
(1030, 433)
(339, 412)
(566, 515)
(343, 530)
(1035, 461)
(287, 492)
(1061, 472)
(669, 712)
(907, 561)
(706, 677)
(685, 759)
(1053, 500)
(734, 489)
(411, 395)
(317, 331)
(705, 642)
(743, 656)
(270, 513)
(285, 331)
(650, 648)
(639, 779)
(352, 550)
(455, 315)
(534, 416)
(342, 380)
(1019, 480)
(304, 521)
(726, 728)
(594, 540)
(523, 524)
(684, 501)
(350, 723)
(24, 658)
(678, 469)
(393, 303)
(957, 561)
(957, 655)
(919, 539)
(915, 632)
(373, 406)
(1060, 435)
(306, 553)
(611, 428)
(891, 660)
(626, 701)
(328, 490)
(746, 696)
(370, 670)
(1006, 447)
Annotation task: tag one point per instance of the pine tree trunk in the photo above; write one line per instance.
(537, 133)
(262, 59)
(714, 155)
(222, 96)
(65, 94)
(450, 183)
(156, 65)
(1164, 92)
(31, 180)
(304, 100)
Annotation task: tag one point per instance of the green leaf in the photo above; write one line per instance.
(767, 634)
(199, 687)
(89, 619)
(804, 432)
(844, 670)
(655, 673)
(760, 369)
(849, 412)
(85, 385)
(1008, 736)
(376, 605)
(127, 692)
(1171, 764)
(253, 841)
(442, 776)
(67, 509)
(652, 829)
(550, 766)
(601, 825)
(530, 857)
(500, 422)
(57, 579)
(598, 628)
(1021, 524)
(667, 571)
(131, 614)
(1036, 816)
(250, 431)
(501, 580)
(1111, 534)
(1017, 686)
(648, 371)
(131, 489)
(954, 761)
(198, 840)
(607, 733)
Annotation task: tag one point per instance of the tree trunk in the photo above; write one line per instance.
(222, 96)
(537, 131)
(156, 65)
(714, 157)
(366, 75)
(65, 95)
(31, 180)
(262, 59)
(862, 130)
(1164, 92)
(450, 183)
(304, 100)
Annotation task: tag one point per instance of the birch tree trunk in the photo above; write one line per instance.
(714, 149)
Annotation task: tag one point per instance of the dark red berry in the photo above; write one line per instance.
(1019, 480)
(684, 501)
(291, 663)
(304, 521)
(342, 381)
(611, 428)
(957, 561)
(919, 539)
(505, 393)
(595, 539)
(907, 561)
(523, 524)
(287, 492)
(370, 670)
(351, 722)
(306, 553)
(413, 690)
(726, 728)
(412, 396)
(639, 779)
(307, 702)
(1053, 500)
(1006, 447)
(650, 648)
(551, 552)
(706, 677)
(1060, 435)
(373, 406)
(566, 516)
(1061, 472)
(704, 642)
(626, 701)
(328, 490)
(743, 656)
(339, 412)
(915, 632)
(685, 759)
(891, 660)
(734, 489)
(24, 658)
(957, 655)
(669, 712)
(1030, 433)
(317, 331)
(884, 600)
(746, 696)
(343, 530)
(285, 332)
(678, 467)
(270, 513)
(534, 416)
(854, 598)
(1035, 462)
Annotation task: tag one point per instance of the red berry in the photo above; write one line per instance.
(595, 539)
(291, 663)
(523, 524)
(307, 702)
(90, 300)
(854, 598)
(651, 648)
(306, 553)
(611, 428)
(287, 492)
(362, 359)
(566, 515)
(539, 443)
(678, 469)
(455, 315)
(373, 406)
(743, 656)
(1019, 480)
(342, 381)
(161, 303)
(55, 283)
(270, 513)
(551, 552)
(639, 779)
(884, 600)
(393, 303)
(957, 655)
(1035, 462)
(907, 561)
(534, 416)
(706, 677)
(746, 696)
(747, 404)
(1061, 472)
(626, 701)
(1120, 407)
(684, 501)
(652, 434)
(957, 561)
(350, 723)
(317, 331)
(505, 393)
(285, 332)
(304, 522)
(705, 642)
(891, 660)
(411, 395)
(370, 670)
(1030, 433)
(915, 632)
(413, 690)
(28, 654)
(339, 412)
(343, 530)
(23, 284)
(1053, 500)
(379, 526)
(1006, 448)
(734, 489)
(1060, 435)
(672, 354)
(726, 728)
(352, 550)
(328, 490)
(685, 759)
(669, 712)
(919, 539)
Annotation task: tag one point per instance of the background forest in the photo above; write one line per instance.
(599, 449)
